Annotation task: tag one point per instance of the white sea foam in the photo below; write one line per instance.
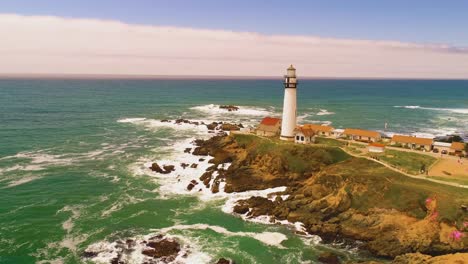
(107, 251)
(324, 112)
(22, 181)
(452, 110)
(75, 213)
(157, 124)
(268, 238)
(243, 110)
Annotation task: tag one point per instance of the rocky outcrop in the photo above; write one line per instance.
(412, 258)
(166, 169)
(191, 185)
(225, 261)
(335, 196)
(329, 258)
(229, 108)
(229, 127)
(163, 248)
(157, 249)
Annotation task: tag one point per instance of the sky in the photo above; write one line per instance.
(407, 39)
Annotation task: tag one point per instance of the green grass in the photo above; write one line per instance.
(409, 162)
(454, 179)
(300, 158)
(385, 188)
(330, 142)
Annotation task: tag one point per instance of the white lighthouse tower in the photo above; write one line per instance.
(288, 123)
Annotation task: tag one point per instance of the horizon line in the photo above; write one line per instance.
(78, 76)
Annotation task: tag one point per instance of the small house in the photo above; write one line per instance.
(269, 127)
(413, 142)
(362, 135)
(376, 147)
(457, 148)
(337, 133)
(442, 147)
(320, 130)
(304, 135)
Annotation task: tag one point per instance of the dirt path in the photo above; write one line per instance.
(421, 177)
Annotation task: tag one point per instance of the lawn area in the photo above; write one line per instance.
(385, 188)
(408, 162)
(455, 179)
(330, 142)
(301, 158)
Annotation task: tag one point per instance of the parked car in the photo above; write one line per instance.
(444, 152)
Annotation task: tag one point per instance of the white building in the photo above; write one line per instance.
(304, 136)
(442, 147)
(289, 105)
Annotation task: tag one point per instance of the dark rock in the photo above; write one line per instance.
(164, 121)
(224, 261)
(194, 165)
(169, 168)
(198, 142)
(241, 209)
(229, 127)
(162, 248)
(202, 159)
(187, 150)
(194, 123)
(90, 254)
(155, 167)
(184, 165)
(117, 260)
(230, 108)
(215, 187)
(328, 258)
(190, 186)
(212, 126)
(201, 151)
(185, 121)
(212, 168)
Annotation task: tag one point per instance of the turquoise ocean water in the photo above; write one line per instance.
(73, 156)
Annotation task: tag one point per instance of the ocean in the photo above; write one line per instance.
(74, 157)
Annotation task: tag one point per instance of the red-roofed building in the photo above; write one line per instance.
(269, 127)
(376, 147)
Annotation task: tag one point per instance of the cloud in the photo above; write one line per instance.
(46, 44)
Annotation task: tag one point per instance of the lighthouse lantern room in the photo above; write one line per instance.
(289, 106)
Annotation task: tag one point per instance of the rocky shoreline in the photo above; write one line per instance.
(318, 191)
(323, 200)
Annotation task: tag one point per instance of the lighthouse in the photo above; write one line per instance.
(289, 106)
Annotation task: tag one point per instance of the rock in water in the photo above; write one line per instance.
(169, 168)
(187, 150)
(155, 167)
(224, 261)
(212, 126)
(229, 127)
(241, 209)
(194, 165)
(162, 248)
(200, 151)
(230, 108)
(328, 258)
